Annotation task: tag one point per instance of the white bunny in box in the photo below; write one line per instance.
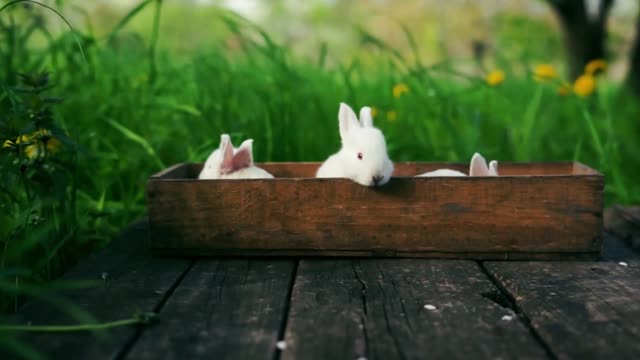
(226, 162)
(363, 157)
(477, 167)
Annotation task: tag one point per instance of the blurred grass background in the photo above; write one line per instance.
(157, 82)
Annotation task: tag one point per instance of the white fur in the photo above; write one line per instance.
(493, 168)
(220, 164)
(477, 167)
(375, 167)
(443, 172)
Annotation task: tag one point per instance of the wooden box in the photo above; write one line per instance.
(531, 211)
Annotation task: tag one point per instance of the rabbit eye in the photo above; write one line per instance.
(360, 155)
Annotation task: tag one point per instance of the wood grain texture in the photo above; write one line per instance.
(403, 169)
(346, 309)
(580, 309)
(224, 309)
(507, 217)
(136, 282)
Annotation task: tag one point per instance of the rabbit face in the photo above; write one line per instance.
(365, 156)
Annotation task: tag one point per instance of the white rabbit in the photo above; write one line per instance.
(477, 167)
(493, 168)
(363, 157)
(443, 172)
(226, 162)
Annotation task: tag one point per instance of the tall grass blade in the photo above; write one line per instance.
(125, 20)
(73, 31)
(137, 139)
(155, 33)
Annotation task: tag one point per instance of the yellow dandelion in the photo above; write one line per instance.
(392, 115)
(595, 66)
(544, 72)
(19, 140)
(584, 85)
(495, 77)
(39, 143)
(374, 111)
(564, 89)
(400, 89)
(42, 148)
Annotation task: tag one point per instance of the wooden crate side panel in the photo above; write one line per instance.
(531, 214)
(510, 255)
(409, 169)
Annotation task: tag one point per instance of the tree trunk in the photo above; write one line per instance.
(633, 77)
(585, 35)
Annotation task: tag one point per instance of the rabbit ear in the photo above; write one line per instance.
(365, 117)
(493, 168)
(478, 166)
(226, 166)
(244, 156)
(224, 139)
(347, 120)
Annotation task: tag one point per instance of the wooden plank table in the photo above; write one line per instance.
(346, 308)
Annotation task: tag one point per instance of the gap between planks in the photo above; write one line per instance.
(522, 316)
(235, 308)
(287, 307)
(126, 348)
(596, 317)
(355, 303)
(277, 354)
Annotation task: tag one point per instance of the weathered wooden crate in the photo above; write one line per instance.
(531, 211)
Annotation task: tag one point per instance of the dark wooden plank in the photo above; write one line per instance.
(504, 217)
(136, 282)
(346, 309)
(224, 309)
(580, 309)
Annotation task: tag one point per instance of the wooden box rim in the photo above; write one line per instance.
(583, 171)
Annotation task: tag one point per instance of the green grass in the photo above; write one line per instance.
(131, 108)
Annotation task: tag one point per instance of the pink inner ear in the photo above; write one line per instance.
(242, 158)
(227, 158)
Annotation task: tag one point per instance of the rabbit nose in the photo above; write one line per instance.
(377, 179)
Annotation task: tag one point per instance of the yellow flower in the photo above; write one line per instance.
(39, 143)
(374, 111)
(19, 140)
(495, 77)
(544, 72)
(564, 89)
(42, 148)
(392, 115)
(400, 89)
(584, 85)
(595, 66)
